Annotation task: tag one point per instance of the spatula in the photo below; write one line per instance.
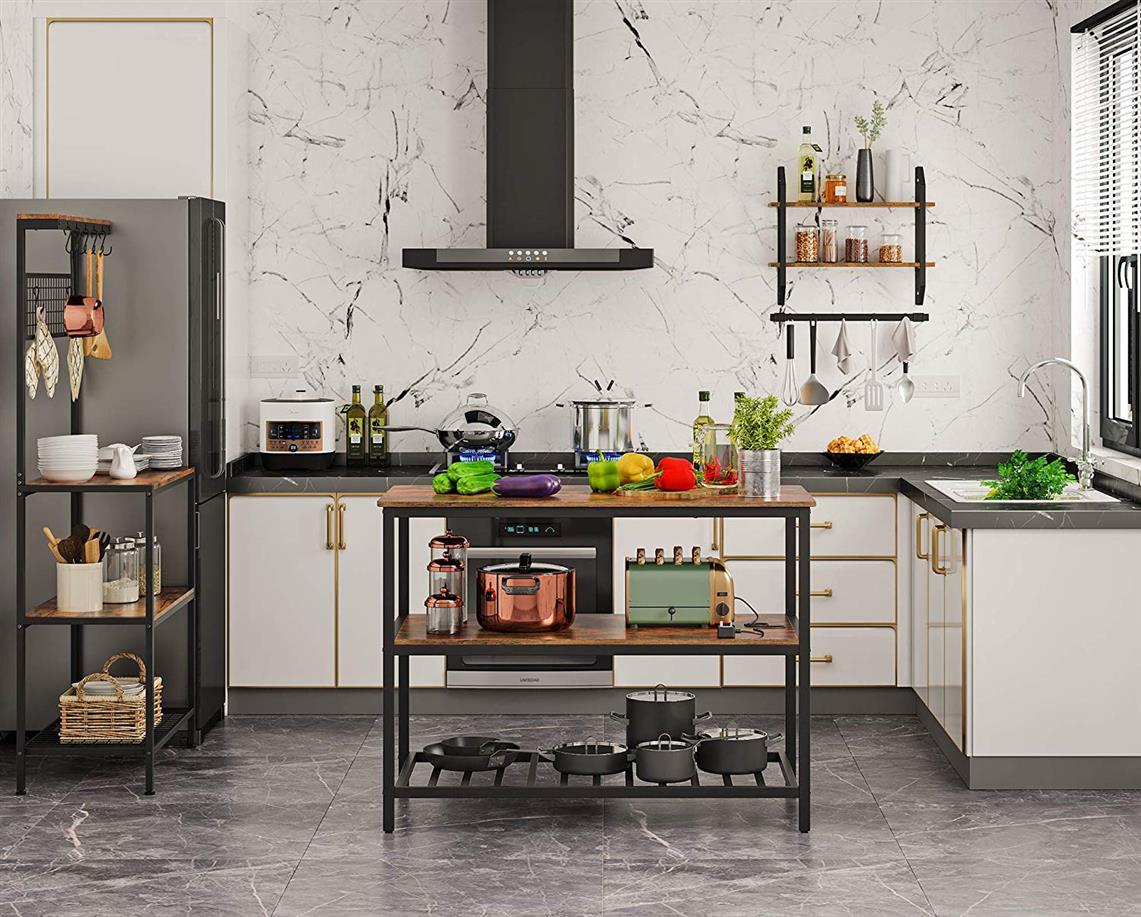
(812, 391)
(873, 388)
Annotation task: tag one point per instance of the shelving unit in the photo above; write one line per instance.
(919, 206)
(149, 611)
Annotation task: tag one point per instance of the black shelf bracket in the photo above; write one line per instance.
(782, 242)
(920, 236)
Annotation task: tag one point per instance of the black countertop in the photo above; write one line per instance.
(903, 473)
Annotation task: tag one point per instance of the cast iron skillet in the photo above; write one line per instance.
(507, 753)
(473, 745)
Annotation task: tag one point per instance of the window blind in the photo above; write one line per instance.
(1106, 134)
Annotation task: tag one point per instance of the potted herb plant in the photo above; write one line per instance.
(870, 130)
(757, 430)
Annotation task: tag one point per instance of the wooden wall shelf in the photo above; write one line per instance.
(886, 205)
(850, 264)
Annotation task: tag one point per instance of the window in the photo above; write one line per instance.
(1106, 181)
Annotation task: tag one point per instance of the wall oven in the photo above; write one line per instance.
(582, 544)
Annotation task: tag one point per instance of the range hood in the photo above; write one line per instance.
(530, 152)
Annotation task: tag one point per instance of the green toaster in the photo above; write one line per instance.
(693, 594)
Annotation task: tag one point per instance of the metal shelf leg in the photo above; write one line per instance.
(388, 751)
(402, 606)
(790, 660)
(149, 644)
(805, 617)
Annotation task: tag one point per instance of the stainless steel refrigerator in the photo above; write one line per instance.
(164, 298)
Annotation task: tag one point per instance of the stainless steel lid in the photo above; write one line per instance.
(734, 733)
(449, 541)
(524, 567)
(662, 695)
(611, 403)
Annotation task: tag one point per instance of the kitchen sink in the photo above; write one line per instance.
(976, 491)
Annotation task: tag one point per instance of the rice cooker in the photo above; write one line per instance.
(297, 432)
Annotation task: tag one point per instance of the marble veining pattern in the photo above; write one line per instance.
(367, 125)
(282, 816)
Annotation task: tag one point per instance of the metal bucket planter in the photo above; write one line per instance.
(760, 473)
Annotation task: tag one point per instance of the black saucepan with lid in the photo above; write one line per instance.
(660, 710)
(733, 750)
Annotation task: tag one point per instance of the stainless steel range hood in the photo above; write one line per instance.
(530, 152)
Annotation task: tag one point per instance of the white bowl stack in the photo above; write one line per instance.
(68, 459)
(164, 452)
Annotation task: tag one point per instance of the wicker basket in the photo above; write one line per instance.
(101, 720)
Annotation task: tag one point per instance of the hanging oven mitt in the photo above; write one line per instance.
(46, 355)
(31, 370)
(903, 338)
(75, 366)
(842, 350)
(98, 347)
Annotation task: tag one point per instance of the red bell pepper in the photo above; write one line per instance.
(675, 474)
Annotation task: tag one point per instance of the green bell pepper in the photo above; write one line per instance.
(457, 470)
(471, 484)
(603, 476)
(442, 484)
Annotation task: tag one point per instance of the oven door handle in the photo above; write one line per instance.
(537, 553)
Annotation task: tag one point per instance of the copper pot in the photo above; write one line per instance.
(525, 597)
(83, 315)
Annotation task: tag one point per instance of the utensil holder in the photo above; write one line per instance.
(79, 587)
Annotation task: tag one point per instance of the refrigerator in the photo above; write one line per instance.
(165, 304)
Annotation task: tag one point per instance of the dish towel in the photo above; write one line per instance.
(903, 337)
(842, 350)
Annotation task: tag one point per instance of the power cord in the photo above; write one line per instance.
(755, 626)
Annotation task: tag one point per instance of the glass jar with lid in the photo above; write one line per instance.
(448, 565)
(445, 612)
(807, 243)
(120, 572)
(891, 248)
(156, 560)
(718, 458)
(856, 245)
(836, 188)
(829, 244)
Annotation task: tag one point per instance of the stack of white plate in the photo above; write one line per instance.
(106, 457)
(163, 451)
(68, 459)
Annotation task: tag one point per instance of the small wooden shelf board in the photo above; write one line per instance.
(97, 221)
(883, 204)
(167, 602)
(145, 480)
(850, 264)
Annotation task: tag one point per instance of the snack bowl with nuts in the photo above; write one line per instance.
(852, 454)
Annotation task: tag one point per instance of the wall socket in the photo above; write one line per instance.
(936, 386)
(273, 367)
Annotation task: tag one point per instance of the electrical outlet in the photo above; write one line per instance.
(936, 386)
(273, 367)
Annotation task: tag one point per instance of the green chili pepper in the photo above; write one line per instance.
(457, 470)
(471, 484)
(603, 476)
(442, 484)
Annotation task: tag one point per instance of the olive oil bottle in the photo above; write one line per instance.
(699, 423)
(807, 168)
(377, 435)
(356, 442)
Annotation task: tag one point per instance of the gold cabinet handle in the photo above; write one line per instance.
(919, 526)
(820, 525)
(341, 543)
(936, 567)
(715, 546)
(329, 545)
(827, 658)
(820, 593)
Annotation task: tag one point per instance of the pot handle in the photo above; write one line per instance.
(773, 736)
(533, 589)
(619, 717)
(703, 716)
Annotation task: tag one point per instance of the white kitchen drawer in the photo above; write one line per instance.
(859, 657)
(844, 591)
(673, 671)
(843, 526)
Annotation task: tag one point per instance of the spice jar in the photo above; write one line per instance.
(156, 560)
(856, 245)
(448, 550)
(836, 188)
(891, 248)
(807, 243)
(121, 572)
(829, 247)
(445, 613)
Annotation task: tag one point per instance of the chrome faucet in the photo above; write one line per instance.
(1085, 465)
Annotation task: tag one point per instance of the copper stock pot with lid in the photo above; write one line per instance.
(525, 596)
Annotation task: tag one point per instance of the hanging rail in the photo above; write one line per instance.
(848, 316)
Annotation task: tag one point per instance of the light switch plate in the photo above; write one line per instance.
(936, 386)
(273, 367)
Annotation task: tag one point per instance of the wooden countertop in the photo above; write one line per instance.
(578, 497)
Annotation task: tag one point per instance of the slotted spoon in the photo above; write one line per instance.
(873, 388)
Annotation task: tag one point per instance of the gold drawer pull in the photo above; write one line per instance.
(919, 518)
(820, 593)
(820, 525)
(341, 543)
(827, 658)
(937, 567)
(329, 544)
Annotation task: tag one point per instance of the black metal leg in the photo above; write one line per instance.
(805, 619)
(149, 642)
(193, 736)
(790, 661)
(21, 699)
(402, 611)
(388, 718)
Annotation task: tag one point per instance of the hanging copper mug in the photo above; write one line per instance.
(83, 315)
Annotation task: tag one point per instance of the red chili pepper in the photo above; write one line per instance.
(675, 474)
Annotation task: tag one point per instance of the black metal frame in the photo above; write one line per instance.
(395, 729)
(920, 236)
(1120, 272)
(45, 741)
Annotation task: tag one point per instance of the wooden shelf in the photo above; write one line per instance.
(167, 602)
(145, 480)
(886, 205)
(573, 497)
(63, 217)
(911, 264)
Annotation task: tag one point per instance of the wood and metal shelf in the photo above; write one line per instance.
(150, 610)
(406, 636)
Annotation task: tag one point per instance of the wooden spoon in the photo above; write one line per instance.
(98, 347)
(52, 545)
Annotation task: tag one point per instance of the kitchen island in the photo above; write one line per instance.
(405, 637)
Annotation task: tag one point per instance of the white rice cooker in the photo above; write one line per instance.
(297, 432)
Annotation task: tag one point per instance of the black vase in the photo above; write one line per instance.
(865, 177)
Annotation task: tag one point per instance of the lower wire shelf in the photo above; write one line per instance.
(628, 788)
(46, 741)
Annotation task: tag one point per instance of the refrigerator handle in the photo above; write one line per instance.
(220, 344)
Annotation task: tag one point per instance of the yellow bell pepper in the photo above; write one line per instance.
(634, 467)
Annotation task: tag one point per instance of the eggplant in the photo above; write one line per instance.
(528, 485)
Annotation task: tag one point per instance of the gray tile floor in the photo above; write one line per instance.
(281, 816)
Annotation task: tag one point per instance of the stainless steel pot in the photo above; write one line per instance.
(603, 426)
(525, 597)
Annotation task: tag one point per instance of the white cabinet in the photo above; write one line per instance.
(359, 585)
(919, 558)
(282, 580)
(945, 608)
(842, 657)
(674, 671)
(843, 591)
(842, 526)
